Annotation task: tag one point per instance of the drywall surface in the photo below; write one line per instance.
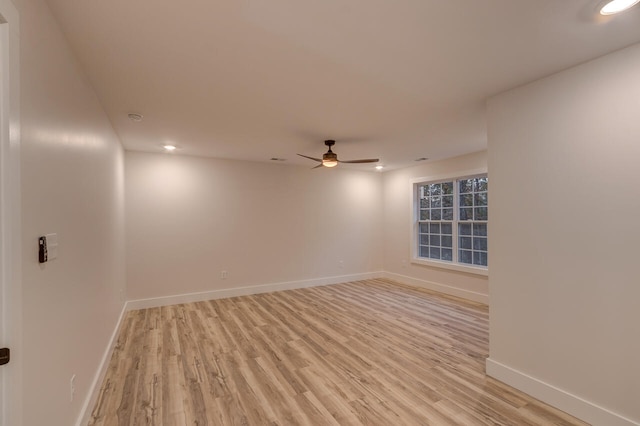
(72, 168)
(563, 161)
(189, 219)
(10, 217)
(397, 229)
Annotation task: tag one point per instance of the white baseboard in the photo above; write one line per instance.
(545, 392)
(441, 288)
(154, 302)
(563, 400)
(244, 291)
(94, 389)
(92, 397)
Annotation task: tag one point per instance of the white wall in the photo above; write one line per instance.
(10, 253)
(565, 296)
(396, 229)
(190, 218)
(72, 184)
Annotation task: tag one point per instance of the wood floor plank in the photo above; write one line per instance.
(370, 352)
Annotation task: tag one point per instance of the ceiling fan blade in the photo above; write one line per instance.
(310, 158)
(319, 165)
(368, 160)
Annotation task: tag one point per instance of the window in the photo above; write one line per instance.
(452, 220)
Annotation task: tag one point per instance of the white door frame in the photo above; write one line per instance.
(10, 223)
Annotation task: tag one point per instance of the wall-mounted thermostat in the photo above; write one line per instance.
(47, 247)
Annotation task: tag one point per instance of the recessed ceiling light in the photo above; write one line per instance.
(379, 167)
(135, 117)
(169, 148)
(617, 6)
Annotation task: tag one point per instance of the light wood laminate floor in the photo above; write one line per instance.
(363, 353)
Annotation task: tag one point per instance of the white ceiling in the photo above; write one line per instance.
(251, 79)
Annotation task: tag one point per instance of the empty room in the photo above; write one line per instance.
(319, 213)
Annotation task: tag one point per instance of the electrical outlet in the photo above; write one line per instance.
(341, 264)
(224, 275)
(72, 388)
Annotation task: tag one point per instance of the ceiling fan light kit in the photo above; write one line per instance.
(330, 158)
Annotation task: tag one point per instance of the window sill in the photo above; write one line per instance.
(475, 270)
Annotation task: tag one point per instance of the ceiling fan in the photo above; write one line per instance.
(330, 158)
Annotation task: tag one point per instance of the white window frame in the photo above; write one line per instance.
(415, 216)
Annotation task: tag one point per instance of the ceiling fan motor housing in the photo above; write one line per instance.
(330, 156)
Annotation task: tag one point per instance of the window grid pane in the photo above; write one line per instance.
(435, 236)
(436, 240)
(473, 199)
(472, 243)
